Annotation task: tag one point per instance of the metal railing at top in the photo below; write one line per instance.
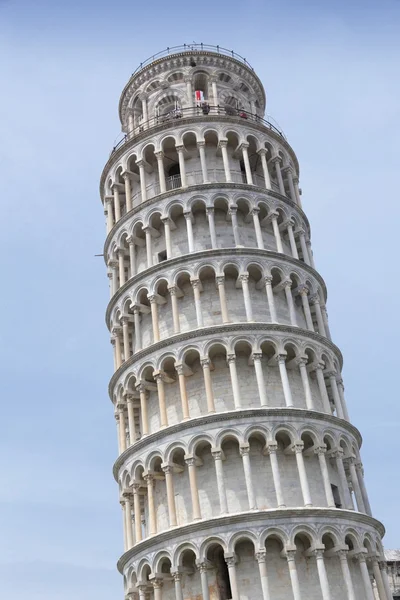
(203, 110)
(192, 48)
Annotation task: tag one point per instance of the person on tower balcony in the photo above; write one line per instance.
(205, 108)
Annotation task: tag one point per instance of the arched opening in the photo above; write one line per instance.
(215, 554)
(223, 396)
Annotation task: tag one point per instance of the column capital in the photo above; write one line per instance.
(196, 283)
(262, 151)
(276, 159)
(179, 368)
(268, 279)
(158, 376)
(331, 373)
(244, 277)
(290, 554)
(201, 144)
(298, 447)
(217, 453)
(152, 298)
(140, 163)
(180, 148)
(360, 556)
(261, 556)
(301, 360)
(176, 575)
(244, 449)
(254, 211)
(314, 299)
(223, 143)
(342, 553)
(159, 155)
(203, 566)
(318, 552)
(220, 279)
(210, 210)
(281, 357)
(244, 145)
(173, 289)
(141, 388)
(205, 362)
(272, 447)
(230, 358)
(337, 453)
(287, 283)
(230, 559)
(148, 477)
(257, 355)
(320, 450)
(167, 468)
(190, 461)
(303, 290)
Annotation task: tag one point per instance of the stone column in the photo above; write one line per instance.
(109, 211)
(219, 472)
(235, 228)
(117, 205)
(323, 578)
(305, 490)
(138, 336)
(262, 392)
(296, 189)
(214, 90)
(290, 303)
(231, 562)
(319, 368)
(189, 90)
(132, 256)
(149, 478)
(281, 359)
(110, 283)
(272, 449)
(261, 558)
(183, 393)
(277, 233)
(231, 358)
(302, 362)
(204, 581)
(143, 408)
(337, 455)
(137, 512)
(303, 291)
(292, 241)
(142, 175)
(175, 311)
(121, 267)
(277, 163)
(131, 419)
(154, 318)
(245, 454)
(128, 191)
(169, 483)
(220, 281)
(114, 277)
(189, 228)
(335, 393)
(289, 175)
(321, 452)
(303, 245)
(203, 161)
(342, 398)
(178, 586)
(379, 581)
(142, 591)
(318, 314)
(257, 228)
(244, 279)
(118, 353)
(211, 225)
(194, 491)
(356, 485)
(149, 249)
(342, 553)
(363, 489)
(291, 560)
(145, 111)
(125, 336)
(270, 298)
(369, 595)
(223, 145)
(161, 172)
(264, 165)
(310, 254)
(249, 178)
(161, 399)
(197, 302)
(167, 235)
(128, 523)
(122, 426)
(205, 363)
(180, 150)
(383, 568)
(157, 588)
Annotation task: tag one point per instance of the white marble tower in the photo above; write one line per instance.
(239, 469)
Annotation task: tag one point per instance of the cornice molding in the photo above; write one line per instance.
(207, 525)
(205, 420)
(149, 133)
(212, 253)
(195, 188)
(220, 329)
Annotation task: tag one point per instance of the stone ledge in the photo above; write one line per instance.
(212, 252)
(336, 514)
(220, 329)
(205, 420)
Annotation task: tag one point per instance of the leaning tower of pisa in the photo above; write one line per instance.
(238, 469)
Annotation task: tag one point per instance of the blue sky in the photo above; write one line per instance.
(331, 75)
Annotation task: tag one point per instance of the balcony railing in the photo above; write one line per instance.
(204, 110)
(196, 178)
(192, 48)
